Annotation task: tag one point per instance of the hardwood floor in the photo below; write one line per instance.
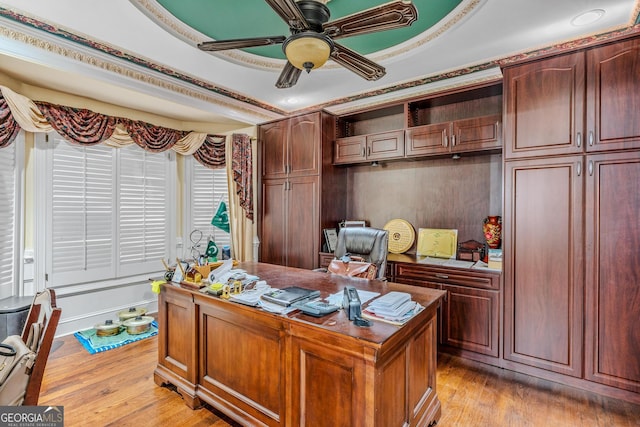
(117, 388)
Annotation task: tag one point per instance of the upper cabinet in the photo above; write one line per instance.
(370, 136)
(464, 121)
(544, 107)
(547, 102)
(293, 147)
(613, 98)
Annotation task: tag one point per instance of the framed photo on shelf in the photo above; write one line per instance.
(331, 238)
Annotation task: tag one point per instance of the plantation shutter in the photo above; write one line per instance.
(8, 234)
(209, 187)
(143, 213)
(82, 218)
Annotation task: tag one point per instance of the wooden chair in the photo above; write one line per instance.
(44, 316)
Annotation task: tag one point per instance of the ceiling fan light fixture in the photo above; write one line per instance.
(307, 50)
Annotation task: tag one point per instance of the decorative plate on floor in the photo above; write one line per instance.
(401, 235)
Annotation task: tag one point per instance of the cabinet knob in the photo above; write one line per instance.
(591, 138)
(445, 140)
(579, 168)
(579, 140)
(590, 167)
(453, 140)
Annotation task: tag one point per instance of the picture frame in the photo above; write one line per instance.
(437, 242)
(331, 238)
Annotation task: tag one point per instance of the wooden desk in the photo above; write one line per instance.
(266, 369)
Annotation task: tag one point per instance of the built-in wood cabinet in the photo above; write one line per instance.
(370, 148)
(542, 237)
(571, 222)
(613, 98)
(292, 146)
(612, 261)
(469, 321)
(298, 194)
(460, 136)
(467, 120)
(290, 207)
(547, 101)
(544, 107)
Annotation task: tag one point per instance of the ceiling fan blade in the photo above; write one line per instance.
(240, 43)
(290, 13)
(289, 76)
(357, 63)
(388, 16)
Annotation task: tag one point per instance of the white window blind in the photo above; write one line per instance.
(107, 210)
(206, 189)
(142, 209)
(82, 213)
(8, 234)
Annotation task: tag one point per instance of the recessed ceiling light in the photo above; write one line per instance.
(587, 17)
(291, 101)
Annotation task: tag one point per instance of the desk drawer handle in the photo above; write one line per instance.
(441, 276)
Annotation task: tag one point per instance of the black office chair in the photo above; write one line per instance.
(372, 244)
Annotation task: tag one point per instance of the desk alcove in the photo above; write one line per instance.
(267, 369)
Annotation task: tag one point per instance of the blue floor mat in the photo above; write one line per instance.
(96, 344)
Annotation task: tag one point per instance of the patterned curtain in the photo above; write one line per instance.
(242, 166)
(78, 126)
(9, 128)
(211, 153)
(151, 138)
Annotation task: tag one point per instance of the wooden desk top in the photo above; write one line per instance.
(280, 277)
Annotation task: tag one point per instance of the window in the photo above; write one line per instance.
(11, 161)
(204, 190)
(108, 211)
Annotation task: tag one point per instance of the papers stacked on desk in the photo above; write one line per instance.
(395, 307)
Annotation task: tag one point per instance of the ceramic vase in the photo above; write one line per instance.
(492, 229)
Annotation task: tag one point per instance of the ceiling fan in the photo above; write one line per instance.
(311, 42)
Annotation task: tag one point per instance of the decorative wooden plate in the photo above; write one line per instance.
(401, 235)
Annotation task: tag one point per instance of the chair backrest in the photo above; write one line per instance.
(372, 244)
(42, 321)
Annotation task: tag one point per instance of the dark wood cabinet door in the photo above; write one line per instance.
(273, 222)
(613, 96)
(302, 227)
(387, 145)
(273, 147)
(612, 347)
(428, 140)
(476, 134)
(544, 107)
(470, 319)
(304, 145)
(543, 243)
(350, 150)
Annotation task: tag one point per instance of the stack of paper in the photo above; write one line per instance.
(393, 307)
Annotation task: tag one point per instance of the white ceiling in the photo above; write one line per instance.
(196, 86)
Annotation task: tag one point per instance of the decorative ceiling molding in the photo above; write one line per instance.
(55, 40)
(159, 15)
(79, 48)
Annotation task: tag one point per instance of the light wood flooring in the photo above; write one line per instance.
(116, 388)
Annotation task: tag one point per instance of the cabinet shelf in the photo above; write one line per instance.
(469, 120)
(369, 122)
(483, 101)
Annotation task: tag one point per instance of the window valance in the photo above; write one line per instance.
(81, 126)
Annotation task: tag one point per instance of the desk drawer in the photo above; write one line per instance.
(452, 276)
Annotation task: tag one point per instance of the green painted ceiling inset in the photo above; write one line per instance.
(232, 19)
